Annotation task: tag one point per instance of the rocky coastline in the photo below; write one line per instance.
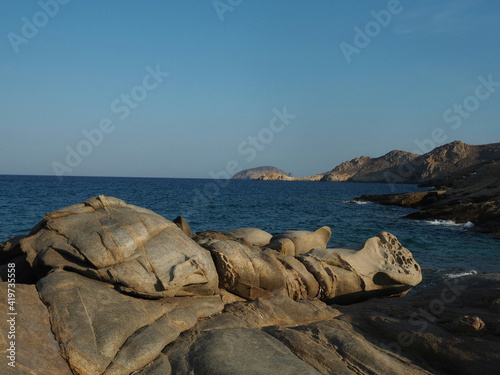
(472, 198)
(104, 287)
(440, 165)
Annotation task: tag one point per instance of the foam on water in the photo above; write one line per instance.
(460, 274)
(356, 202)
(449, 223)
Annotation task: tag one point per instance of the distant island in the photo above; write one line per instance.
(255, 173)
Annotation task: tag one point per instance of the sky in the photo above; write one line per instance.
(200, 89)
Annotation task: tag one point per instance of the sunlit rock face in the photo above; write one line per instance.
(128, 291)
(134, 249)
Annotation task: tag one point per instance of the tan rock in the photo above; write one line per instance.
(250, 273)
(104, 331)
(36, 350)
(381, 266)
(299, 242)
(183, 225)
(136, 250)
(255, 236)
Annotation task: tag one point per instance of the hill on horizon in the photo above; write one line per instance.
(255, 173)
(438, 166)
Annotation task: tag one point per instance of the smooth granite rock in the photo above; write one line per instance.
(255, 236)
(103, 331)
(295, 242)
(132, 248)
(128, 292)
(36, 350)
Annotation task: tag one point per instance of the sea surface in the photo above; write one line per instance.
(443, 249)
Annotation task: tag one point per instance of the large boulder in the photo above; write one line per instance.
(382, 266)
(251, 273)
(134, 249)
(296, 242)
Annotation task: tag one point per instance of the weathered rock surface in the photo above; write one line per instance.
(136, 250)
(267, 312)
(381, 267)
(295, 242)
(255, 236)
(36, 350)
(251, 273)
(414, 335)
(183, 225)
(106, 332)
(452, 328)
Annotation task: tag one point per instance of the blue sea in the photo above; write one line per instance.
(442, 249)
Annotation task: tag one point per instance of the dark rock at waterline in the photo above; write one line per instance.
(474, 198)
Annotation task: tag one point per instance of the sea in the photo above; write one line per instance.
(443, 249)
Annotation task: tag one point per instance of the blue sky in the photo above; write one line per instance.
(229, 70)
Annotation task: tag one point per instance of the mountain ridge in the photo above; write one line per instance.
(438, 166)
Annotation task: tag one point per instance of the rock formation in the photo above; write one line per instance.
(436, 167)
(367, 169)
(255, 173)
(473, 198)
(122, 290)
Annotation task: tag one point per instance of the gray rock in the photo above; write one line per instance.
(236, 351)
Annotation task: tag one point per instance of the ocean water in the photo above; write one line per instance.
(442, 248)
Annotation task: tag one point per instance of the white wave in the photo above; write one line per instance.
(449, 223)
(461, 274)
(356, 202)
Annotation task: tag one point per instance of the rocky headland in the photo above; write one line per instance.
(439, 166)
(466, 180)
(104, 287)
(471, 197)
